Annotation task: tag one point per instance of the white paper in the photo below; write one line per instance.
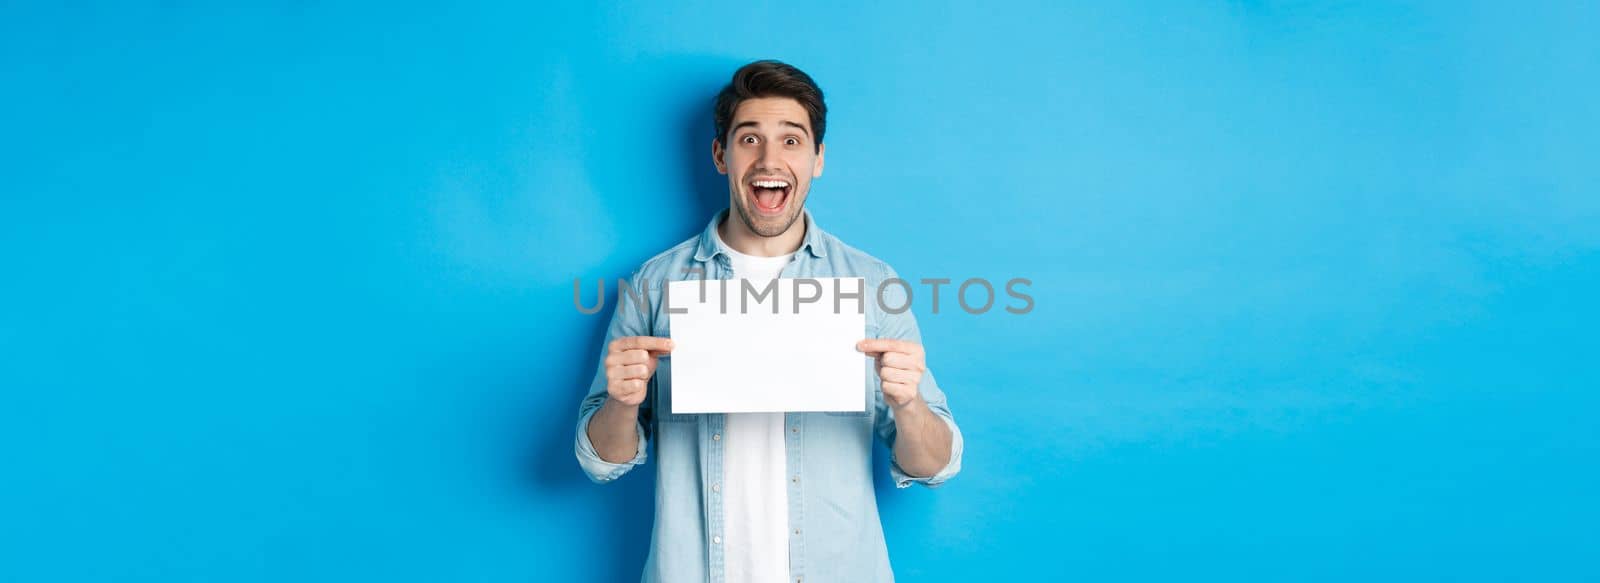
(732, 354)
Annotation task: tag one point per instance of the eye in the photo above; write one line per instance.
(791, 142)
(748, 139)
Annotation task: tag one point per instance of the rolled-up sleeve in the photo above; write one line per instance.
(627, 319)
(903, 326)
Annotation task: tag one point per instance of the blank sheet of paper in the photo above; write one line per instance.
(732, 354)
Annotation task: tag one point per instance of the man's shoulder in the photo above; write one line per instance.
(669, 263)
(849, 259)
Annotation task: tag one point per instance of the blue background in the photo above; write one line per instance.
(288, 289)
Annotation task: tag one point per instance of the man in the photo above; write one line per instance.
(759, 497)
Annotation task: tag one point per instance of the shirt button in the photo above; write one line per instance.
(797, 532)
(716, 540)
(797, 478)
(716, 487)
(797, 429)
(716, 437)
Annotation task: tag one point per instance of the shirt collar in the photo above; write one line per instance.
(708, 242)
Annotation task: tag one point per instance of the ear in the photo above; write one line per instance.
(716, 156)
(817, 171)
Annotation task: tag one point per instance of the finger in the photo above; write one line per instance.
(631, 357)
(899, 375)
(624, 372)
(633, 371)
(628, 387)
(650, 343)
(901, 360)
(881, 345)
(899, 391)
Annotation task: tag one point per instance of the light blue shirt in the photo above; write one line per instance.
(834, 532)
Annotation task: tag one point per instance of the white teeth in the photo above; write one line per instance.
(771, 184)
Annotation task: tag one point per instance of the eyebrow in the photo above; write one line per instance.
(742, 124)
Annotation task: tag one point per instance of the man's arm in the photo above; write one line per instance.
(608, 438)
(613, 431)
(630, 362)
(922, 445)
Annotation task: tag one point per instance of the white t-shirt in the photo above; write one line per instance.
(755, 501)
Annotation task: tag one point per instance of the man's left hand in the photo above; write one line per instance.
(900, 368)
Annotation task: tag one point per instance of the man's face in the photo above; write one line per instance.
(770, 160)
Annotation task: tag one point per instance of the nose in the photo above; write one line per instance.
(767, 158)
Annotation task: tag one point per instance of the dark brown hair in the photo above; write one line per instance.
(770, 79)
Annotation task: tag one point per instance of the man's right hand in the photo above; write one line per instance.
(630, 362)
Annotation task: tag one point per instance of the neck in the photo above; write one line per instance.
(739, 236)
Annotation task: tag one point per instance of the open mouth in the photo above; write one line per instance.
(770, 195)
